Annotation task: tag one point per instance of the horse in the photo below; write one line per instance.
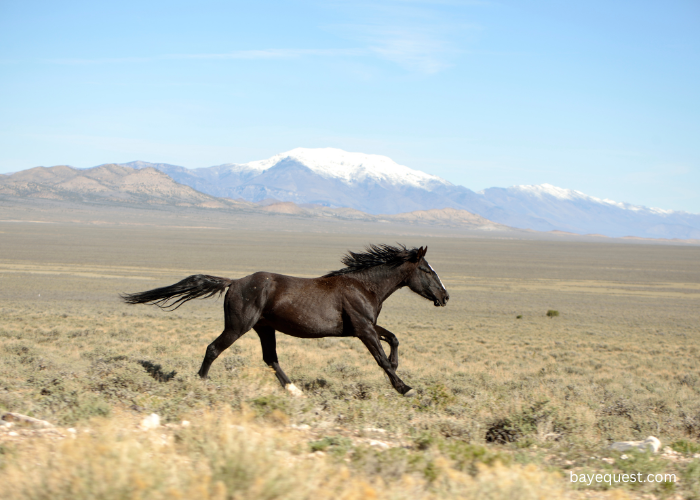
(342, 303)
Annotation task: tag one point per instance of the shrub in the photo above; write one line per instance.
(315, 385)
(467, 456)
(685, 446)
(551, 313)
(516, 427)
(334, 444)
(424, 440)
(691, 477)
(265, 406)
(440, 396)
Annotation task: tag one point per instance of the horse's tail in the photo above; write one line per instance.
(198, 286)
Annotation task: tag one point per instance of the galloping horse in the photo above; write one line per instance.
(343, 303)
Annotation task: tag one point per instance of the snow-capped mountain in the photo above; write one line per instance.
(350, 168)
(574, 211)
(327, 176)
(376, 184)
(542, 191)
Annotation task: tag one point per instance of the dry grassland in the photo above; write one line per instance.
(508, 407)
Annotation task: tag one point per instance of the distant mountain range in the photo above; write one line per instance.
(106, 183)
(147, 186)
(377, 185)
(331, 182)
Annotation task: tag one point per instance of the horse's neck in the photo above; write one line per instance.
(383, 281)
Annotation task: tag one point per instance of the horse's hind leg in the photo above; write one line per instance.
(269, 350)
(222, 342)
(393, 342)
(237, 322)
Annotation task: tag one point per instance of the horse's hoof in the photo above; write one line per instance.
(410, 394)
(294, 390)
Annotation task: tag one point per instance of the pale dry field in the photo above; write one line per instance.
(505, 404)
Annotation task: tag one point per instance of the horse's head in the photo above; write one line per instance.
(424, 281)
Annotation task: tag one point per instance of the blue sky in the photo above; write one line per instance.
(598, 96)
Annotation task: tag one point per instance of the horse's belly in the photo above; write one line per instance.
(308, 328)
(301, 308)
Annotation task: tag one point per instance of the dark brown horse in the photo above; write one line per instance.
(343, 303)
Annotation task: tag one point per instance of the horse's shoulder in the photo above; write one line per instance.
(356, 289)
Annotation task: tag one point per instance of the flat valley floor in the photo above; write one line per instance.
(509, 399)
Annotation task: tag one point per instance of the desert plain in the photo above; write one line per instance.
(511, 402)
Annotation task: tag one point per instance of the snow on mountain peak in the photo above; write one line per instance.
(348, 167)
(540, 190)
(569, 194)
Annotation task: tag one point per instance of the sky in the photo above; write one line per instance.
(598, 96)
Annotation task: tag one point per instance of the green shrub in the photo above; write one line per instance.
(466, 456)
(334, 444)
(691, 477)
(424, 440)
(265, 405)
(431, 472)
(551, 313)
(516, 427)
(685, 446)
(440, 396)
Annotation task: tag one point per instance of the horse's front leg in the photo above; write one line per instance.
(393, 342)
(370, 338)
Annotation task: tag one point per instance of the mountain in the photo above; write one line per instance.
(331, 177)
(335, 178)
(574, 211)
(333, 183)
(106, 183)
(147, 186)
(377, 185)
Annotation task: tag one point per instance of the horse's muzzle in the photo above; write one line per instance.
(437, 302)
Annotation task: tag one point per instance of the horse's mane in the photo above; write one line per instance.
(373, 256)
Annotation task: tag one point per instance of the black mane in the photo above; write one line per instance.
(375, 255)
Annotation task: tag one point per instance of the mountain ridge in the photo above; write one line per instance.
(293, 176)
(376, 185)
(111, 183)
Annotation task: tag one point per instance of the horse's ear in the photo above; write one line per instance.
(421, 252)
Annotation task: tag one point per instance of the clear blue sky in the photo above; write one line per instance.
(598, 96)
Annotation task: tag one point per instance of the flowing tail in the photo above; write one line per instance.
(198, 286)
